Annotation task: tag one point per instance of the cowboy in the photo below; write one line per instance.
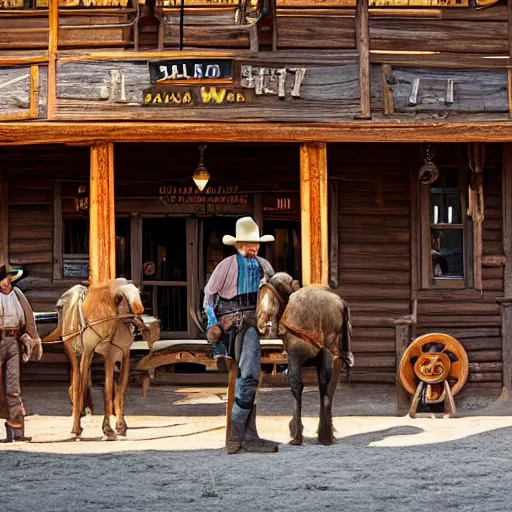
(17, 325)
(230, 304)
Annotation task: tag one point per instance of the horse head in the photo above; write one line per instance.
(128, 298)
(272, 300)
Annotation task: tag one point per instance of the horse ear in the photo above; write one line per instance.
(295, 285)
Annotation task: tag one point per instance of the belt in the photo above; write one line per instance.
(9, 332)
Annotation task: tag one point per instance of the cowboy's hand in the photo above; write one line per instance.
(27, 344)
(213, 334)
(37, 350)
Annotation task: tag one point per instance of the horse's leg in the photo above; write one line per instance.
(88, 397)
(296, 386)
(108, 391)
(78, 404)
(121, 425)
(74, 388)
(328, 369)
(74, 374)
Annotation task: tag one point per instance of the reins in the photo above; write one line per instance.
(90, 325)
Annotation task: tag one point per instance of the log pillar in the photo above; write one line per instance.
(314, 213)
(102, 240)
(4, 220)
(53, 43)
(506, 302)
(363, 49)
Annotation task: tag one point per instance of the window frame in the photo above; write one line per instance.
(427, 280)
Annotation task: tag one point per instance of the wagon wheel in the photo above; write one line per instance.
(433, 358)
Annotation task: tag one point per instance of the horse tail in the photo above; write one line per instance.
(346, 338)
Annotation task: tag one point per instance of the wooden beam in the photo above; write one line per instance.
(333, 234)
(509, 12)
(86, 133)
(53, 41)
(387, 91)
(506, 305)
(102, 239)
(57, 231)
(34, 92)
(4, 219)
(363, 48)
(314, 213)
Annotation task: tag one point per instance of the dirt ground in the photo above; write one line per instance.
(172, 457)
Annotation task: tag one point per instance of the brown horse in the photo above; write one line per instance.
(100, 320)
(314, 324)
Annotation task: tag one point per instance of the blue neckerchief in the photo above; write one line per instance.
(248, 275)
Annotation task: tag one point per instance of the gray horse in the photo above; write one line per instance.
(314, 324)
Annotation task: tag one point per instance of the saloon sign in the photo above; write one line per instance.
(170, 194)
(208, 82)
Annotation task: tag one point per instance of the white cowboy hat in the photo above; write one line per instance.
(7, 270)
(246, 231)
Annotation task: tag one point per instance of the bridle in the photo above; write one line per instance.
(280, 300)
(86, 325)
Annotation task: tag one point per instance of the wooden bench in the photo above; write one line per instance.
(171, 352)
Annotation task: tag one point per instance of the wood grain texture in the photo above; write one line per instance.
(4, 220)
(375, 131)
(102, 243)
(53, 42)
(314, 213)
(363, 48)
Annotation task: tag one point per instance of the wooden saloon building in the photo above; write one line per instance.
(374, 140)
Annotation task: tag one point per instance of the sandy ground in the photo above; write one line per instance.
(172, 458)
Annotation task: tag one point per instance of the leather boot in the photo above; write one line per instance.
(16, 434)
(252, 441)
(236, 436)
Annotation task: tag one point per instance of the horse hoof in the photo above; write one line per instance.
(110, 437)
(296, 442)
(327, 441)
(121, 432)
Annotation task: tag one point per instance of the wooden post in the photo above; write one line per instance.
(57, 231)
(333, 235)
(4, 220)
(509, 10)
(53, 41)
(314, 213)
(401, 344)
(102, 239)
(506, 304)
(363, 48)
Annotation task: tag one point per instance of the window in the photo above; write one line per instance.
(445, 238)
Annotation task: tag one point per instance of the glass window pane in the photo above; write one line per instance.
(172, 308)
(445, 199)
(76, 236)
(447, 254)
(123, 248)
(164, 246)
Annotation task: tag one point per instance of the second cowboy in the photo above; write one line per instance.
(17, 326)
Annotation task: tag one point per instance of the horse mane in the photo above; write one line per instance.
(101, 299)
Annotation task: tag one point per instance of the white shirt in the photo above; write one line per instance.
(11, 312)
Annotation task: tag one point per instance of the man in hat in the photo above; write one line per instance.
(230, 304)
(17, 325)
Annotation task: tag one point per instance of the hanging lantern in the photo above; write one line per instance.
(428, 172)
(201, 175)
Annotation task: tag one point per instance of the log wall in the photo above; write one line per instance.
(377, 268)
(374, 250)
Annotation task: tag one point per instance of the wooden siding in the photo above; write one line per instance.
(374, 250)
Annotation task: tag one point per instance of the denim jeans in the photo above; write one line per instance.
(249, 367)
